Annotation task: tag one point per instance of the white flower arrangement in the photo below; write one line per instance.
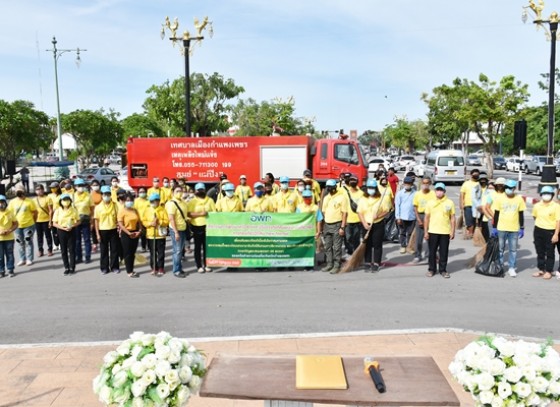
(149, 370)
(498, 372)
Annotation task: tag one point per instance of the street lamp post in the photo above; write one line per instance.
(57, 54)
(549, 171)
(186, 38)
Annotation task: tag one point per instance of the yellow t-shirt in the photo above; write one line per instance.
(166, 195)
(370, 207)
(66, 217)
(199, 205)
(466, 189)
(129, 218)
(440, 211)
(83, 203)
(232, 204)
(509, 212)
(55, 200)
(421, 199)
(334, 207)
(243, 192)
(140, 204)
(106, 214)
(153, 232)
(23, 209)
(386, 192)
(546, 214)
(173, 212)
(259, 205)
(7, 219)
(357, 197)
(43, 203)
(284, 202)
(304, 208)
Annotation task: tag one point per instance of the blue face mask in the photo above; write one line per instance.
(259, 193)
(509, 191)
(129, 204)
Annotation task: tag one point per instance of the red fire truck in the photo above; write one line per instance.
(203, 159)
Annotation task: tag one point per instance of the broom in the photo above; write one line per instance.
(477, 257)
(460, 222)
(410, 248)
(478, 238)
(358, 256)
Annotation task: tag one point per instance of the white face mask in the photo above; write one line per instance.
(80, 189)
(129, 204)
(114, 183)
(546, 197)
(371, 191)
(95, 187)
(106, 198)
(300, 188)
(284, 186)
(166, 184)
(509, 191)
(154, 204)
(229, 194)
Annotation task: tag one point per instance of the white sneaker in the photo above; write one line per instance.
(201, 270)
(28, 263)
(511, 272)
(403, 250)
(20, 263)
(416, 260)
(208, 269)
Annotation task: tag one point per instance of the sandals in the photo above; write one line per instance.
(133, 275)
(546, 275)
(538, 274)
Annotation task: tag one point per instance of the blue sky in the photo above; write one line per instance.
(351, 64)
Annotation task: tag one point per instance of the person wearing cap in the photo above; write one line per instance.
(54, 202)
(178, 224)
(421, 199)
(343, 180)
(308, 206)
(383, 184)
(65, 220)
(85, 207)
(26, 214)
(243, 191)
(353, 231)
(67, 187)
(105, 218)
(479, 194)
(546, 213)
(259, 202)
(392, 179)
(155, 188)
(298, 191)
(198, 209)
(43, 223)
(335, 211)
(315, 186)
(465, 201)
(493, 196)
(156, 222)
(439, 229)
(509, 224)
(372, 210)
(140, 204)
(284, 201)
(130, 226)
(269, 179)
(8, 224)
(404, 212)
(231, 202)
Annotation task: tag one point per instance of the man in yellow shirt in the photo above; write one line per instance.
(156, 222)
(243, 191)
(421, 199)
(284, 201)
(8, 224)
(156, 189)
(26, 214)
(545, 235)
(465, 201)
(230, 202)
(42, 225)
(198, 209)
(509, 224)
(259, 202)
(439, 229)
(335, 211)
(85, 206)
(177, 212)
(105, 217)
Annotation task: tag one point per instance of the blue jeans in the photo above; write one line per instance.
(83, 231)
(7, 252)
(177, 246)
(25, 242)
(511, 239)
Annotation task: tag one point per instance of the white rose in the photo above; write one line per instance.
(533, 400)
(512, 374)
(162, 367)
(137, 369)
(164, 336)
(505, 347)
(185, 343)
(171, 376)
(485, 381)
(120, 379)
(497, 367)
(554, 388)
(183, 394)
(504, 390)
(162, 352)
(191, 349)
(148, 377)
(138, 388)
(486, 397)
(174, 357)
(136, 351)
(148, 339)
(176, 345)
(540, 384)
(497, 402)
(137, 402)
(529, 373)
(149, 361)
(522, 389)
(185, 374)
(136, 336)
(163, 390)
(128, 362)
(120, 396)
(105, 395)
(110, 357)
(187, 360)
(100, 381)
(194, 383)
(116, 368)
(124, 348)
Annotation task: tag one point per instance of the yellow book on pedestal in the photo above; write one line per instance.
(320, 372)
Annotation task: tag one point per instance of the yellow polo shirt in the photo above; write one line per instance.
(129, 218)
(232, 204)
(357, 196)
(199, 205)
(370, 207)
(334, 207)
(106, 214)
(23, 209)
(7, 220)
(140, 204)
(152, 232)
(509, 208)
(440, 211)
(83, 203)
(304, 208)
(66, 217)
(243, 192)
(546, 214)
(166, 195)
(284, 202)
(55, 200)
(173, 212)
(259, 205)
(466, 189)
(421, 199)
(43, 203)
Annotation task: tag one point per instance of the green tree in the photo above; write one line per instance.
(97, 133)
(141, 125)
(406, 135)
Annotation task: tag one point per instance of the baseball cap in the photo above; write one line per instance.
(258, 185)
(154, 196)
(3, 198)
(371, 183)
(439, 185)
(64, 196)
(547, 189)
(156, 179)
(223, 176)
(510, 183)
(79, 181)
(199, 186)
(307, 194)
(284, 180)
(331, 183)
(408, 180)
(307, 173)
(224, 181)
(354, 176)
(500, 181)
(228, 187)
(53, 184)
(105, 189)
(243, 177)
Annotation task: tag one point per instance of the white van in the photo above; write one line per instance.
(445, 166)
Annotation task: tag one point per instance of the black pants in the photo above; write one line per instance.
(199, 234)
(67, 251)
(55, 239)
(405, 231)
(129, 247)
(438, 244)
(352, 235)
(484, 229)
(374, 243)
(44, 233)
(108, 256)
(157, 253)
(143, 240)
(544, 248)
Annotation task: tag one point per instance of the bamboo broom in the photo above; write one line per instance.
(478, 238)
(411, 247)
(477, 257)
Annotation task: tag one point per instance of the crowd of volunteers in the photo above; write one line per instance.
(78, 219)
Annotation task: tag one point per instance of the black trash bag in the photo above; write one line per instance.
(391, 228)
(490, 265)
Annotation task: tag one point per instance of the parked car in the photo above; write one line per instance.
(474, 160)
(534, 164)
(403, 161)
(101, 174)
(445, 166)
(513, 164)
(418, 169)
(499, 163)
(374, 163)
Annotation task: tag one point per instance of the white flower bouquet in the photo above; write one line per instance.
(498, 372)
(150, 370)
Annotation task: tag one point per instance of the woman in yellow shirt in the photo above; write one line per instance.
(26, 213)
(65, 219)
(156, 222)
(545, 234)
(8, 224)
(129, 225)
(198, 209)
(105, 217)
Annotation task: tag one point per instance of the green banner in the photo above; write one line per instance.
(245, 239)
